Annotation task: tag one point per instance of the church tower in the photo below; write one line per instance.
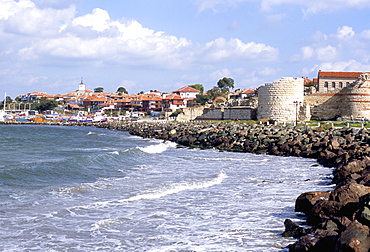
(81, 86)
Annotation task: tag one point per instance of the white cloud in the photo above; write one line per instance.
(307, 52)
(219, 74)
(265, 71)
(127, 84)
(220, 50)
(312, 7)
(98, 20)
(24, 17)
(345, 32)
(365, 34)
(96, 37)
(326, 53)
(321, 53)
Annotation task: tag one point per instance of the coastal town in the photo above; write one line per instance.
(339, 96)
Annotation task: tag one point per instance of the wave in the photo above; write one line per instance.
(157, 148)
(225, 159)
(169, 190)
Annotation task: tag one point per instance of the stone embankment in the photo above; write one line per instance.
(339, 219)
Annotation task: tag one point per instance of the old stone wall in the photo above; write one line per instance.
(324, 106)
(281, 100)
(348, 103)
(190, 113)
(228, 113)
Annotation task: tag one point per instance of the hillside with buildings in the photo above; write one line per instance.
(330, 96)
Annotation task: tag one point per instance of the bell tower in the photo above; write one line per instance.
(81, 86)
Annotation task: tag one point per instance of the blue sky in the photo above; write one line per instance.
(48, 45)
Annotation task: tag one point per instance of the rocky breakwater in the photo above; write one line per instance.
(339, 220)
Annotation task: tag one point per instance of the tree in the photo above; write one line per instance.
(98, 90)
(198, 87)
(45, 105)
(122, 90)
(225, 84)
(202, 98)
(215, 92)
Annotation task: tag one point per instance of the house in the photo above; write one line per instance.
(330, 81)
(124, 104)
(36, 96)
(151, 103)
(93, 102)
(172, 102)
(187, 92)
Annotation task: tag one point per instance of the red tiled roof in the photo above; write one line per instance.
(339, 74)
(96, 98)
(187, 89)
(248, 91)
(152, 98)
(124, 100)
(173, 97)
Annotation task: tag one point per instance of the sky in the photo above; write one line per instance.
(142, 45)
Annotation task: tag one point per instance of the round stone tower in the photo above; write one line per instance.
(281, 100)
(356, 99)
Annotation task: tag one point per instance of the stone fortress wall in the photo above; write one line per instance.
(348, 103)
(281, 100)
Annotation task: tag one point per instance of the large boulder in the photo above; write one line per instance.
(327, 209)
(318, 241)
(305, 202)
(349, 192)
(354, 238)
(292, 229)
(344, 171)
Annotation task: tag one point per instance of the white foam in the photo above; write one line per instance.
(179, 188)
(114, 152)
(168, 191)
(157, 148)
(225, 159)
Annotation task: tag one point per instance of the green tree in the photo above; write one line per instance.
(45, 105)
(225, 84)
(98, 90)
(215, 92)
(176, 113)
(202, 98)
(122, 90)
(198, 87)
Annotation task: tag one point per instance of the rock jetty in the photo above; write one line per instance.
(339, 220)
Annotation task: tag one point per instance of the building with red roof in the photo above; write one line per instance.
(172, 102)
(187, 92)
(329, 81)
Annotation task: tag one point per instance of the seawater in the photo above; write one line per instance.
(90, 189)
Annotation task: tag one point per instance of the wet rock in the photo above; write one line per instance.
(292, 229)
(354, 238)
(350, 192)
(318, 241)
(305, 202)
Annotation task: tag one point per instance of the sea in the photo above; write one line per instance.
(70, 188)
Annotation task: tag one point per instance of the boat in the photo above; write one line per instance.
(2, 112)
